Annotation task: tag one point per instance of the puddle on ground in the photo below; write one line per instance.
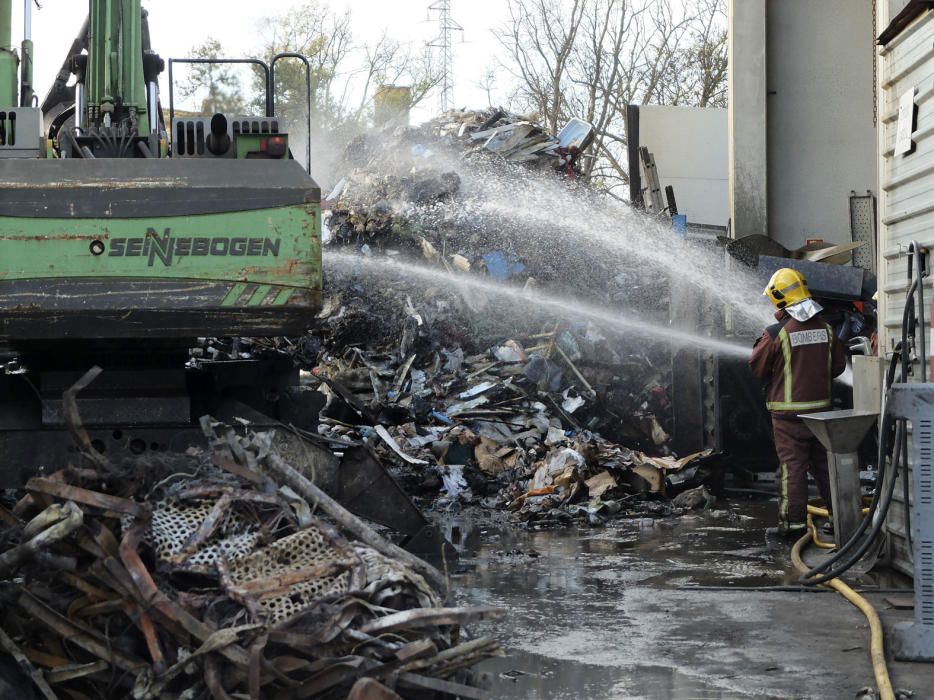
(567, 633)
(527, 676)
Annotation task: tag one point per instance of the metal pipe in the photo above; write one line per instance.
(80, 107)
(171, 125)
(27, 94)
(153, 107)
(914, 248)
(144, 149)
(9, 83)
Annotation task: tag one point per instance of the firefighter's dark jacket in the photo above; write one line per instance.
(798, 362)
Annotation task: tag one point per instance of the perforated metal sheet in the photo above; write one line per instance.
(386, 578)
(863, 229)
(174, 521)
(290, 555)
(924, 495)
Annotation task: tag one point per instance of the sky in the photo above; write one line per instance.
(178, 25)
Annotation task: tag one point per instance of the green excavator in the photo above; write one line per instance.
(122, 242)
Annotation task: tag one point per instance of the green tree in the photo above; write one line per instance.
(217, 85)
(323, 37)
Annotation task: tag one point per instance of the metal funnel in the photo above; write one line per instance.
(840, 431)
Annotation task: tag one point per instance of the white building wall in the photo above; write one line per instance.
(906, 203)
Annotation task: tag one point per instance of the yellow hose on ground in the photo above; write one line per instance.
(824, 513)
(815, 540)
(877, 640)
(812, 528)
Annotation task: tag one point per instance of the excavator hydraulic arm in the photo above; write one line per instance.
(115, 77)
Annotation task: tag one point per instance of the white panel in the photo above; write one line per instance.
(691, 152)
(906, 203)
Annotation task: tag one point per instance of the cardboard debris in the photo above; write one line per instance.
(600, 484)
(645, 478)
(488, 456)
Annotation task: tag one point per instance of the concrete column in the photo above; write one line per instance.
(748, 137)
(822, 142)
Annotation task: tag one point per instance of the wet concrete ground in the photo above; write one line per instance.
(670, 609)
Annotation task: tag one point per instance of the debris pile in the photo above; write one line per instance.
(223, 574)
(419, 192)
(516, 138)
(518, 427)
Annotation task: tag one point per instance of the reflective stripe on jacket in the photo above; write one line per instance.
(798, 360)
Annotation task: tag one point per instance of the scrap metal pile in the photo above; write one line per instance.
(514, 428)
(217, 575)
(517, 138)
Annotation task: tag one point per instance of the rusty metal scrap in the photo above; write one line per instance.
(53, 524)
(224, 584)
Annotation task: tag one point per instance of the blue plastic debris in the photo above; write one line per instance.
(679, 222)
(501, 266)
(442, 417)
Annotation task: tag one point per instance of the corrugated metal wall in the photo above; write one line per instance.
(907, 199)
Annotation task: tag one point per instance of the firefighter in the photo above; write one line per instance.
(797, 358)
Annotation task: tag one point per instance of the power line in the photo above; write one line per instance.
(446, 28)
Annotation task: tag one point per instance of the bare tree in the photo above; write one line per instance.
(592, 58)
(540, 39)
(703, 70)
(345, 74)
(390, 62)
(487, 83)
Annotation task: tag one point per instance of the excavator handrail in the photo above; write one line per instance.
(249, 61)
(272, 91)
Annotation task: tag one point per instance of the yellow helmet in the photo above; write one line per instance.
(787, 287)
